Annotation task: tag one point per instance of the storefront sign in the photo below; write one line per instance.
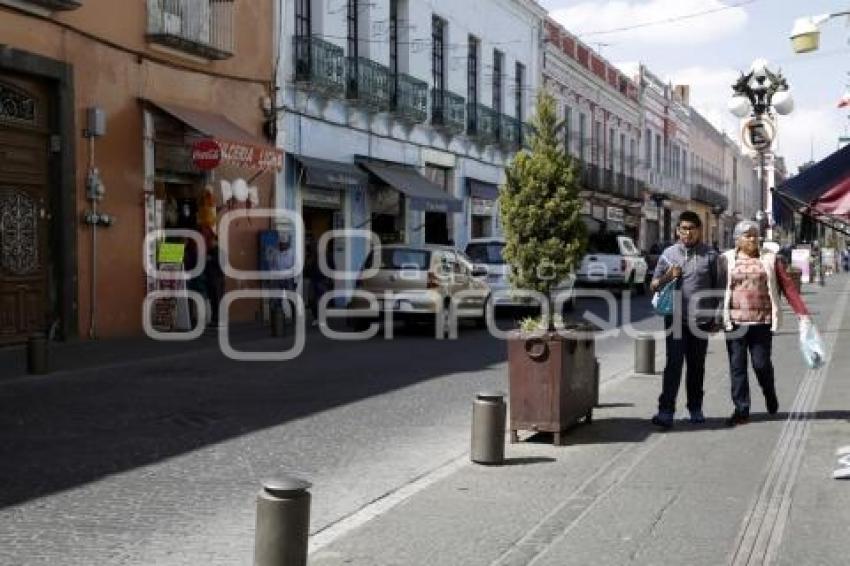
(206, 154)
(320, 197)
(170, 252)
(246, 155)
(483, 207)
(800, 260)
(615, 214)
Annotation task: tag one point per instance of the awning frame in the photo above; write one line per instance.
(794, 204)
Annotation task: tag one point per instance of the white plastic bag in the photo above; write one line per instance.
(811, 345)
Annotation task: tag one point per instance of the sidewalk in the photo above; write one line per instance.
(621, 492)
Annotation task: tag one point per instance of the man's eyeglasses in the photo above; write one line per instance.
(688, 228)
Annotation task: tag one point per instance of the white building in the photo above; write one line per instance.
(599, 106)
(398, 116)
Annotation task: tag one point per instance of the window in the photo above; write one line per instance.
(351, 19)
(394, 52)
(622, 153)
(632, 156)
(438, 65)
(582, 135)
(490, 253)
(597, 157)
(472, 82)
(568, 125)
(658, 152)
(302, 18)
(648, 156)
(518, 85)
(611, 148)
(498, 65)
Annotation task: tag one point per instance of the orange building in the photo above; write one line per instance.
(101, 104)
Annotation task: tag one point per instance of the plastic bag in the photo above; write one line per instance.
(811, 345)
(662, 300)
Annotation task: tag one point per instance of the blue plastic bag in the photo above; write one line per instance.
(811, 346)
(662, 300)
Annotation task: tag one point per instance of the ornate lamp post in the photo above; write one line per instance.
(757, 96)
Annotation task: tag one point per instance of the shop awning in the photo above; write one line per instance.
(482, 189)
(822, 192)
(331, 174)
(423, 194)
(238, 147)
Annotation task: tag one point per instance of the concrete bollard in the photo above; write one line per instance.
(283, 523)
(644, 354)
(488, 428)
(37, 354)
(276, 320)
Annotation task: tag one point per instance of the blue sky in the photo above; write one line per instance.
(709, 50)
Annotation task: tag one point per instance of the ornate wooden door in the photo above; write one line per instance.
(24, 208)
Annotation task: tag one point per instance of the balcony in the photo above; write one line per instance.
(510, 134)
(319, 65)
(410, 100)
(703, 194)
(448, 111)
(483, 124)
(199, 27)
(368, 84)
(57, 4)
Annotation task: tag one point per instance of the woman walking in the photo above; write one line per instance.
(751, 314)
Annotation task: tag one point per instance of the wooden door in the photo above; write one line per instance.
(24, 208)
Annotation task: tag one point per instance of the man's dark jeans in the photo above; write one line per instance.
(758, 340)
(682, 348)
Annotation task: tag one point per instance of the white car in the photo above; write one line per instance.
(486, 253)
(613, 260)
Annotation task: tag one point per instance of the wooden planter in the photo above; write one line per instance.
(554, 382)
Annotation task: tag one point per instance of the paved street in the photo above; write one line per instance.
(157, 461)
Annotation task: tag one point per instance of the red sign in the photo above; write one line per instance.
(206, 154)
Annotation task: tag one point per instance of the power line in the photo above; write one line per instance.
(670, 20)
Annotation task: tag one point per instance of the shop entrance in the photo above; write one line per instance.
(25, 210)
(317, 221)
(436, 228)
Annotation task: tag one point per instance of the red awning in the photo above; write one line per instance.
(238, 147)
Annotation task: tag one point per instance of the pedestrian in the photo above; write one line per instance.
(693, 266)
(214, 276)
(280, 260)
(751, 314)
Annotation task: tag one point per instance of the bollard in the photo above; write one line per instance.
(276, 319)
(283, 523)
(488, 428)
(644, 354)
(37, 361)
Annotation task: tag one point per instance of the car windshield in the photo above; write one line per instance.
(603, 243)
(490, 252)
(402, 258)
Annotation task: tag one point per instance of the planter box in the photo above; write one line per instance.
(554, 382)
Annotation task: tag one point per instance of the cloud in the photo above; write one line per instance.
(711, 89)
(808, 131)
(587, 18)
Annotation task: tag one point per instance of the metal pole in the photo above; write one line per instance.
(283, 523)
(645, 354)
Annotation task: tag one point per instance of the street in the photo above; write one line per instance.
(159, 461)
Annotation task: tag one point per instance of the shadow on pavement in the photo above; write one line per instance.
(528, 461)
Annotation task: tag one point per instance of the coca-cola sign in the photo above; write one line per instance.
(206, 154)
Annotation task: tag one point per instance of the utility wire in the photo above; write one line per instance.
(669, 20)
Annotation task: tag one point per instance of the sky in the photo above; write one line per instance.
(709, 50)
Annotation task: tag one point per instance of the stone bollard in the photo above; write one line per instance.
(488, 428)
(37, 354)
(283, 523)
(644, 354)
(276, 319)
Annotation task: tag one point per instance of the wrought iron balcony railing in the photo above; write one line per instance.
(482, 123)
(368, 83)
(409, 98)
(448, 111)
(200, 27)
(319, 64)
(510, 132)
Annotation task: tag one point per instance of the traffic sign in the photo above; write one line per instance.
(758, 133)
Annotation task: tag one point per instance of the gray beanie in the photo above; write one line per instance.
(743, 227)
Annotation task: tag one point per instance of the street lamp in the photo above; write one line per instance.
(759, 94)
(805, 35)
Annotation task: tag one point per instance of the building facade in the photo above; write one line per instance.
(398, 117)
(102, 103)
(601, 113)
(709, 190)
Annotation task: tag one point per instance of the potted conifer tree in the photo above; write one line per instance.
(553, 376)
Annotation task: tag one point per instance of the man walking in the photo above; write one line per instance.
(693, 266)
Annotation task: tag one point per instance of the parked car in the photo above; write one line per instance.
(486, 253)
(417, 283)
(655, 251)
(613, 260)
